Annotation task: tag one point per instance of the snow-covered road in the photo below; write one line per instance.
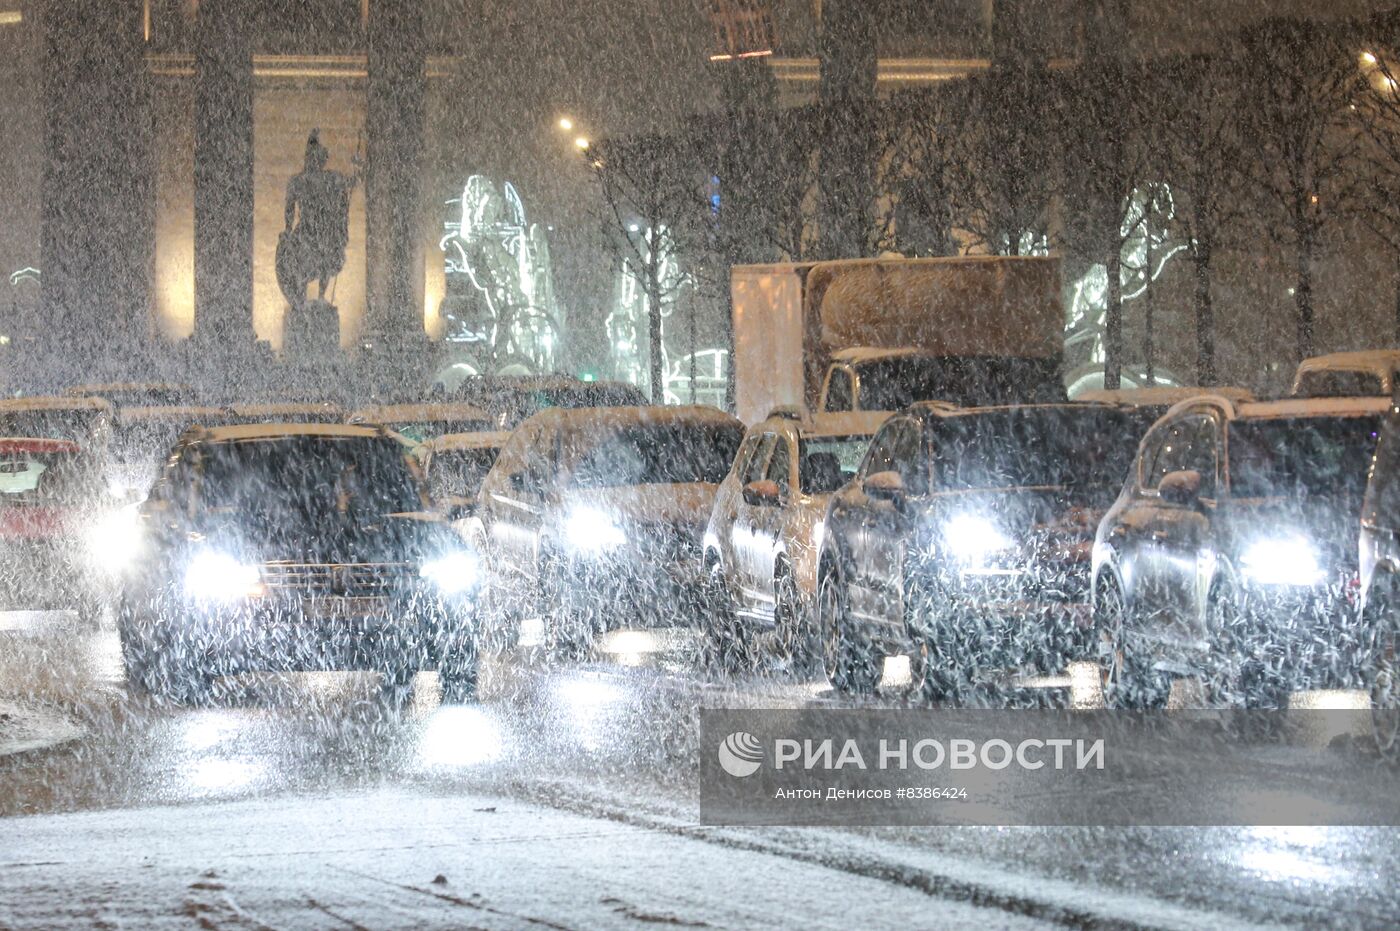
(565, 797)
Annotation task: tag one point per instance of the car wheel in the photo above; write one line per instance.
(457, 673)
(1385, 680)
(566, 612)
(728, 646)
(1128, 683)
(851, 666)
(793, 634)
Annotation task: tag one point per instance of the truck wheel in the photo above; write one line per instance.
(851, 666)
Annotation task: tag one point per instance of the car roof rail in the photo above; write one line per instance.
(788, 412)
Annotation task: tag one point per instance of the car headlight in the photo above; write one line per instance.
(453, 574)
(592, 530)
(972, 538)
(115, 540)
(1281, 561)
(215, 576)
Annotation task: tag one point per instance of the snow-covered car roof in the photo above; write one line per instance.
(79, 391)
(274, 431)
(51, 403)
(158, 413)
(1291, 407)
(486, 440)
(577, 418)
(846, 423)
(29, 444)
(941, 409)
(859, 354)
(1373, 360)
(414, 413)
(1162, 395)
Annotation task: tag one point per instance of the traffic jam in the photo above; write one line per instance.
(941, 525)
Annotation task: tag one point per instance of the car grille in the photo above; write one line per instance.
(354, 579)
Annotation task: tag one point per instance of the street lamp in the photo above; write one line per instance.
(581, 143)
(565, 123)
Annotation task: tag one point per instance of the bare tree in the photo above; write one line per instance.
(1104, 152)
(918, 171)
(654, 207)
(1302, 80)
(1201, 158)
(1378, 108)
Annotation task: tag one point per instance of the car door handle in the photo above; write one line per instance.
(1160, 535)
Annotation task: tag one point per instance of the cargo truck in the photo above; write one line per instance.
(879, 334)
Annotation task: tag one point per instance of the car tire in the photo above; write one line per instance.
(727, 643)
(851, 666)
(457, 673)
(1128, 682)
(792, 633)
(1385, 677)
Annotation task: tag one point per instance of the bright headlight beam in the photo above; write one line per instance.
(973, 538)
(215, 576)
(115, 540)
(452, 574)
(592, 530)
(1281, 561)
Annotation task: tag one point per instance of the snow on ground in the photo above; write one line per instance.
(26, 726)
(395, 859)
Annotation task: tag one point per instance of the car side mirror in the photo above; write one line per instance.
(1182, 487)
(885, 486)
(763, 493)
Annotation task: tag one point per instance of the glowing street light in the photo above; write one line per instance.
(581, 143)
(565, 123)
(1368, 58)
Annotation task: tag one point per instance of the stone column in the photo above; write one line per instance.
(223, 180)
(393, 173)
(97, 215)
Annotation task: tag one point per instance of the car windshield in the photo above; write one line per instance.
(76, 425)
(458, 473)
(1339, 383)
(656, 454)
(351, 476)
(828, 462)
(45, 478)
(1061, 446)
(1301, 456)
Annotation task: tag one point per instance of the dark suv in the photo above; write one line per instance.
(1230, 555)
(965, 539)
(295, 547)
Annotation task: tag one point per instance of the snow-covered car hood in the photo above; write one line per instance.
(682, 506)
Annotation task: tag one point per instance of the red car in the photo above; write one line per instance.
(54, 516)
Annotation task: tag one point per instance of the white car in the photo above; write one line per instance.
(593, 517)
(764, 534)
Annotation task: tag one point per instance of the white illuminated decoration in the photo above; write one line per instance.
(499, 304)
(1147, 248)
(627, 328)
